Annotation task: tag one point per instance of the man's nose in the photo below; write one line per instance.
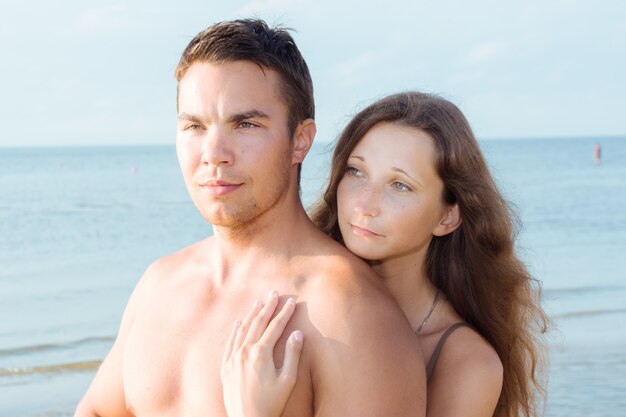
(217, 148)
(368, 202)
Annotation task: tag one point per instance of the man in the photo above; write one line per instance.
(245, 124)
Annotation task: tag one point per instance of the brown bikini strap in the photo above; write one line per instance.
(433, 359)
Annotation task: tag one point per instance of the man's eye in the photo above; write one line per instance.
(247, 125)
(192, 127)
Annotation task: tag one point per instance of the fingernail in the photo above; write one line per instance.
(291, 300)
(237, 323)
(297, 336)
(272, 293)
(257, 303)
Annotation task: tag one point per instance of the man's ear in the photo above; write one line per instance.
(450, 222)
(303, 140)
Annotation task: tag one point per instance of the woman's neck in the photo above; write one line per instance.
(406, 280)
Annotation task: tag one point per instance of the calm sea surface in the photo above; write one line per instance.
(79, 225)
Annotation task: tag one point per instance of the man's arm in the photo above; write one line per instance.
(105, 396)
(367, 359)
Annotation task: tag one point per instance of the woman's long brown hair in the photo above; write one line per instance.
(475, 266)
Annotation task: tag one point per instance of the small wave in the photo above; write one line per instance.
(53, 369)
(588, 313)
(55, 346)
(581, 290)
(61, 412)
(99, 206)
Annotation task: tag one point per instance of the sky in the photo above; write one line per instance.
(101, 72)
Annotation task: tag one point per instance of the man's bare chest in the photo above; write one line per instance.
(172, 362)
(173, 356)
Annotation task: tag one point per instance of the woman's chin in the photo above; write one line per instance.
(365, 253)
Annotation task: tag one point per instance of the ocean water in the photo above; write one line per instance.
(78, 226)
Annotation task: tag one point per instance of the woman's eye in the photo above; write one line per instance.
(352, 171)
(400, 186)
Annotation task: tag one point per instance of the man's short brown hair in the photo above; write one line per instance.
(271, 48)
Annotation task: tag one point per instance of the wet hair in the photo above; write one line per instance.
(475, 266)
(254, 41)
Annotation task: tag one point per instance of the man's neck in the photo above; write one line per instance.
(262, 246)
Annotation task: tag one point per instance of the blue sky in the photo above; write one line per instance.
(96, 72)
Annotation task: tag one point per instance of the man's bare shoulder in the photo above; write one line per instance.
(344, 295)
(167, 274)
(355, 332)
(187, 256)
(338, 268)
(106, 395)
(190, 256)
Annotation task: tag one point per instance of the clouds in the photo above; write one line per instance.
(518, 69)
(102, 19)
(258, 7)
(484, 52)
(356, 67)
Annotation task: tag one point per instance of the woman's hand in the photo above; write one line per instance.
(252, 385)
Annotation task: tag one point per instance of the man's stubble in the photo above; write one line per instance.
(242, 215)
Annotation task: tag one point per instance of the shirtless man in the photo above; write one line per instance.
(245, 124)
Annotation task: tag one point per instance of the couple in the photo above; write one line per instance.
(404, 279)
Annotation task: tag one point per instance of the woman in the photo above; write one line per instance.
(411, 194)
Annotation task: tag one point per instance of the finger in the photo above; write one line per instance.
(293, 351)
(245, 325)
(259, 323)
(277, 326)
(231, 341)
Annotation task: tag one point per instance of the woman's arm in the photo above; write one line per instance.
(252, 385)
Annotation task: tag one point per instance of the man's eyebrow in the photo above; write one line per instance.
(189, 117)
(250, 114)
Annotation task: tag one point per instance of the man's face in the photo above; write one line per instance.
(233, 141)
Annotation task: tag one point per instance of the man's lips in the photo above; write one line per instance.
(362, 231)
(219, 187)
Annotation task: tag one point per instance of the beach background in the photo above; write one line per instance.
(79, 226)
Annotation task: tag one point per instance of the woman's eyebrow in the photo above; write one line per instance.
(407, 174)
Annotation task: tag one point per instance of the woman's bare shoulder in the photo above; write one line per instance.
(467, 380)
(468, 351)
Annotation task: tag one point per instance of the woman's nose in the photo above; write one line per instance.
(368, 202)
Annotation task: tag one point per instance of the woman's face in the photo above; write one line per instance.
(390, 197)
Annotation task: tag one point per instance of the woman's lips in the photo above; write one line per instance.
(362, 231)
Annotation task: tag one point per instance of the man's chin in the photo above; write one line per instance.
(229, 220)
